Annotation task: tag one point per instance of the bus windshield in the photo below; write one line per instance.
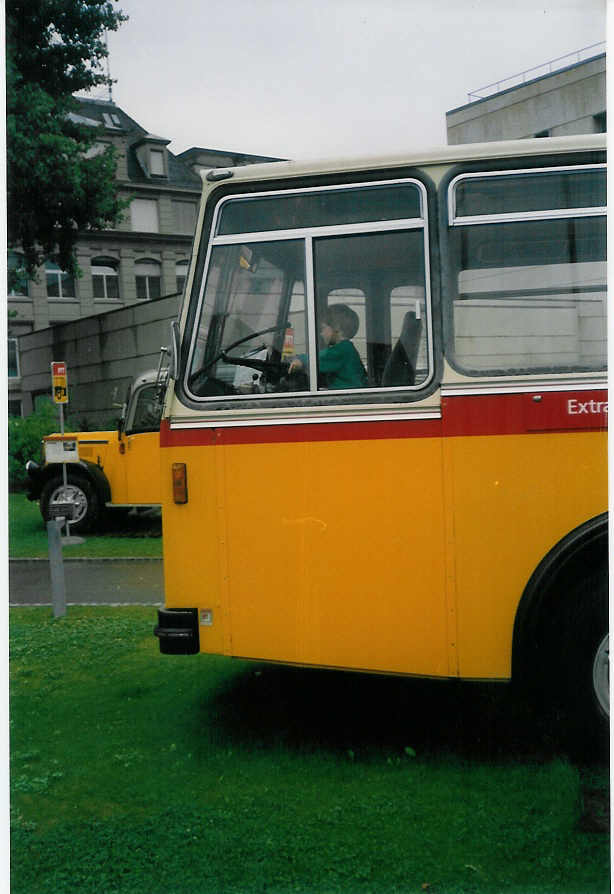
(367, 280)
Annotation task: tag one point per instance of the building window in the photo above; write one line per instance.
(156, 162)
(185, 217)
(17, 277)
(111, 120)
(105, 278)
(13, 358)
(144, 215)
(14, 408)
(59, 283)
(601, 122)
(181, 273)
(147, 275)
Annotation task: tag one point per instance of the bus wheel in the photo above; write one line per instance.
(585, 660)
(601, 675)
(78, 491)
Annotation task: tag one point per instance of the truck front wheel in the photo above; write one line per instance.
(80, 493)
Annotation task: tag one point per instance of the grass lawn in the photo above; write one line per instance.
(123, 536)
(140, 773)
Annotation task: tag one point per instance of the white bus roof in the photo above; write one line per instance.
(414, 158)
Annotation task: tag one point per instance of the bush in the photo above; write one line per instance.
(25, 436)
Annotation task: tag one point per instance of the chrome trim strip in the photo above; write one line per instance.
(516, 216)
(302, 420)
(455, 221)
(464, 389)
(407, 223)
(197, 317)
(310, 307)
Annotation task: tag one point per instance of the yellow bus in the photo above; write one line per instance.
(383, 446)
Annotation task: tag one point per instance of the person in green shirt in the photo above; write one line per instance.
(339, 364)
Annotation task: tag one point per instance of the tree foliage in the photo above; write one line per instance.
(56, 48)
(25, 439)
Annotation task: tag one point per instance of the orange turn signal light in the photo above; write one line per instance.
(180, 483)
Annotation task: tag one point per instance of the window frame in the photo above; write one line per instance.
(448, 221)
(147, 277)
(510, 216)
(160, 154)
(60, 274)
(307, 235)
(152, 204)
(184, 263)
(114, 265)
(132, 400)
(12, 338)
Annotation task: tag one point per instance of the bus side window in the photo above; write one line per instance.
(530, 294)
(381, 277)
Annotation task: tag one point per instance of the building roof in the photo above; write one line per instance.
(110, 117)
(214, 158)
(555, 73)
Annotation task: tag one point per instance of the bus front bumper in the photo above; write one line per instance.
(177, 630)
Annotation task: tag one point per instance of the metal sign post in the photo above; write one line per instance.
(59, 390)
(60, 514)
(56, 567)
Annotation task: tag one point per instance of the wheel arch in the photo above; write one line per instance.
(84, 470)
(578, 553)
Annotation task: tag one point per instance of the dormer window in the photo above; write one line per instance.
(152, 156)
(156, 157)
(111, 120)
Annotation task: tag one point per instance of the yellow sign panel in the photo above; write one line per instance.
(59, 383)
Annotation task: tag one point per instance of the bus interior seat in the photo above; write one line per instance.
(400, 367)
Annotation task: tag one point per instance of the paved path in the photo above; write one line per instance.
(89, 582)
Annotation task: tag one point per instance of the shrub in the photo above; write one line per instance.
(24, 440)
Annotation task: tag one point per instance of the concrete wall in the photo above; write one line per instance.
(103, 354)
(569, 101)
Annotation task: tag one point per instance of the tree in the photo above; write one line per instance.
(56, 48)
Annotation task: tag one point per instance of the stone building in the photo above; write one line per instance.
(144, 258)
(564, 99)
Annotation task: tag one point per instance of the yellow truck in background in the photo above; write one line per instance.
(106, 469)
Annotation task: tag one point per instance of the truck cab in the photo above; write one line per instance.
(105, 469)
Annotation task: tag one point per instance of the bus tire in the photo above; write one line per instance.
(79, 491)
(584, 660)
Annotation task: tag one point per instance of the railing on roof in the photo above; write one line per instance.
(544, 68)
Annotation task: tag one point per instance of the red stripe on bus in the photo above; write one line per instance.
(297, 432)
(463, 415)
(534, 412)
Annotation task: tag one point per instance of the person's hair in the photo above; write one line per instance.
(342, 317)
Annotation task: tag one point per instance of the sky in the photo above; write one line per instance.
(327, 77)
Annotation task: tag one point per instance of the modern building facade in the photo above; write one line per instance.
(145, 257)
(567, 100)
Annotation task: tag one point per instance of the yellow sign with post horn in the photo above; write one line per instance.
(59, 383)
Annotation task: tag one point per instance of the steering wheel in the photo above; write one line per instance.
(270, 367)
